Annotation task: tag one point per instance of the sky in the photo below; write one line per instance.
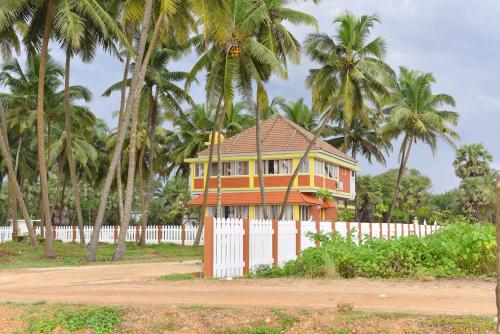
(457, 40)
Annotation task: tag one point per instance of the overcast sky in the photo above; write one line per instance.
(457, 40)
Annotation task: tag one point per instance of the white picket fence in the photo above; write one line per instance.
(182, 235)
(227, 254)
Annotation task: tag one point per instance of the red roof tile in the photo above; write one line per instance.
(279, 134)
(253, 198)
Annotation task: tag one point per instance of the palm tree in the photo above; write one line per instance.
(299, 113)
(232, 61)
(364, 139)
(132, 100)
(472, 161)
(350, 76)
(236, 119)
(414, 113)
(51, 13)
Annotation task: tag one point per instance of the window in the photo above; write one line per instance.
(281, 166)
(273, 212)
(198, 170)
(304, 168)
(231, 168)
(240, 212)
(304, 213)
(331, 171)
(319, 167)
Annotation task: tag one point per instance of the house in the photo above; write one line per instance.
(283, 144)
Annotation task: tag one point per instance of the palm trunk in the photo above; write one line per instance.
(219, 170)
(12, 196)
(69, 151)
(203, 208)
(260, 165)
(123, 91)
(142, 197)
(122, 131)
(497, 227)
(40, 129)
(402, 168)
(142, 192)
(127, 207)
(63, 194)
(318, 132)
(4, 149)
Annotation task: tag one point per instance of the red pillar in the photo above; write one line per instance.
(74, 233)
(183, 234)
(159, 234)
(371, 231)
(318, 231)
(208, 248)
(137, 237)
(360, 235)
(275, 242)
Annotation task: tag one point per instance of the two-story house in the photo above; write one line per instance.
(283, 144)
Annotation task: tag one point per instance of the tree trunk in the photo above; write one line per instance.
(4, 149)
(153, 120)
(260, 165)
(497, 226)
(207, 177)
(127, 207)
(122, 131)
(69, 151)
(123, 92)
(402, 168)
(219, 171)
(40, 130)
(318, 132)
(142, 191)
(63, 194)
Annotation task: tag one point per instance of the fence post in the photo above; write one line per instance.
(298, 237)
(380, 230)
(371, 231)
(275, 242)
(54, 232)
(246, 246)
(73, 237)
(115, 233)
(183, 234)
(388, 231)
(419, 231)
(360, 235)
(137, 233)
(396, 230)
(333, 227)
(159, 234)
(318, 231)
(348, 230)
(208, 248)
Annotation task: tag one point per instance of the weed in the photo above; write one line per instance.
(177, 277)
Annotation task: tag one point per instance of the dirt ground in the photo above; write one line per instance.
(137, 285)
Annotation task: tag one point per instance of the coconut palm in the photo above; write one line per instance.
(472, 161)
(350, 75)
(233, 62)
(299, 113)
(236, 119)
(41, 17)
(364, 139)
(414, 113)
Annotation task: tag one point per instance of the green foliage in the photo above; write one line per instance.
(458, 250)
(472, 161)
(324, 195)
(345, 215)
(102, 320)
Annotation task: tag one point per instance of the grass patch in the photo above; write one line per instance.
(178, 277)
(69, 319)
(21, 255)
(463, 324)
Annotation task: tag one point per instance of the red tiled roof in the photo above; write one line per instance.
(253, 198)
(279, 134)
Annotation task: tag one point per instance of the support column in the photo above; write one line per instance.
(160, 236)
(275, 242)
(298, 236)
(208, 248)
(183, 234)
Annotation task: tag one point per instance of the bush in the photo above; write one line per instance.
(455, 251)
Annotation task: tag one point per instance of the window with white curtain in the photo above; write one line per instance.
(326, 169)
(304, 167)
(304, 212)
(279, 166)
(319, 167)
(198, 170)
(231, 168)
(240, 212)
(273, 212)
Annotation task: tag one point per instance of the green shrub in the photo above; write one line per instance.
(455, 251)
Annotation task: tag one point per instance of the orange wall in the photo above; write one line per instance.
(274, 180)
(232, 182)
(319, 181)
(304, 180)
(345, 178)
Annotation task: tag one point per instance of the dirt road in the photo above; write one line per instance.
(137, 284)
